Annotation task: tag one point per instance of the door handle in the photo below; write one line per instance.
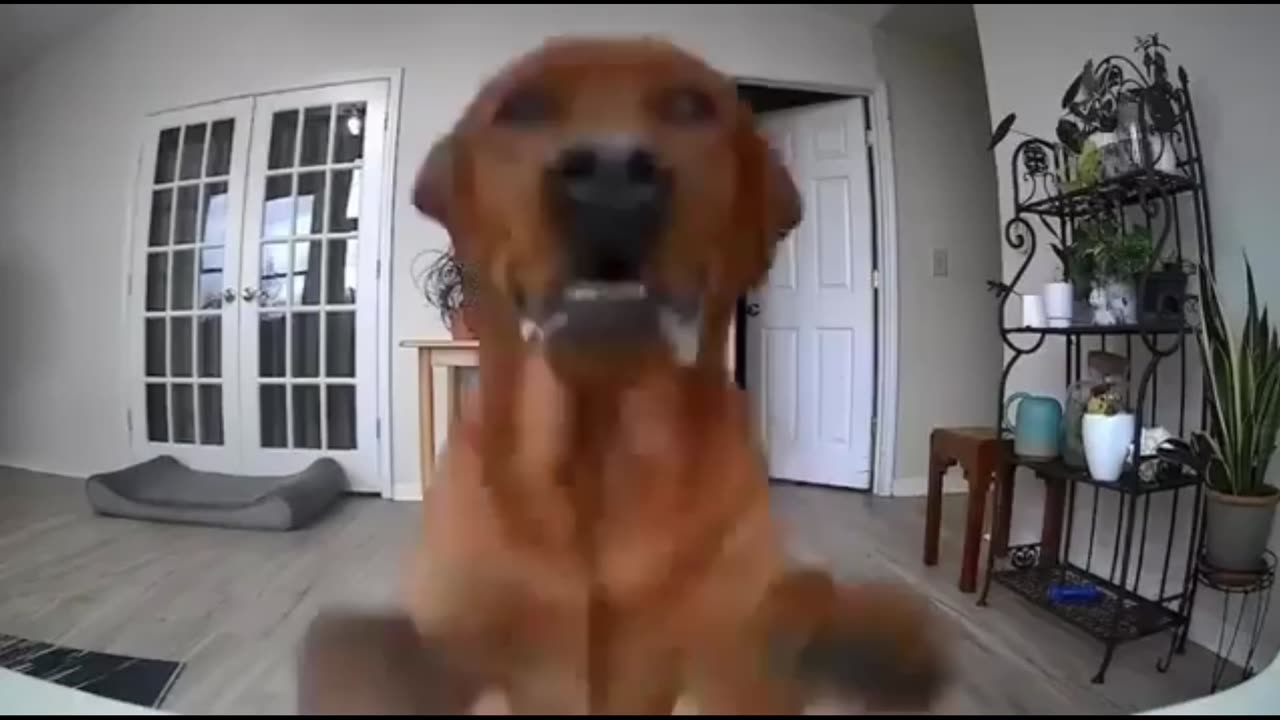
(250, 294)
(229, 295)
(753, 309)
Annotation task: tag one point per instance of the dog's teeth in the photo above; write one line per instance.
(529, 330)
(591, 292)
(683, 334)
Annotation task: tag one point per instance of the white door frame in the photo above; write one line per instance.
(885, 419)
(394, 77)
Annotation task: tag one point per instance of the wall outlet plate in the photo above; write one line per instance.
(939, 262)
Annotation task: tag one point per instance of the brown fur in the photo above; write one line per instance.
(599, 538)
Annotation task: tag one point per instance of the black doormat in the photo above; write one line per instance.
(132, 680)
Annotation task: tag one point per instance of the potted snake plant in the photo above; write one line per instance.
(1243, 374)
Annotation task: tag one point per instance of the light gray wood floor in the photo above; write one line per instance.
(233, 604)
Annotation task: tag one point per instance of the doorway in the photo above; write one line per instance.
(253, 284)
(805, 340)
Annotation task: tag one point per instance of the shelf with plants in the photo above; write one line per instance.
(1162, 476)
(1128, 188)
(1118, 198)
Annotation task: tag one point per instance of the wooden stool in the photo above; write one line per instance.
(984, 457)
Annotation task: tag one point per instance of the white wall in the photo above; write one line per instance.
(69, 157)
(1031, 52)
(949, 351)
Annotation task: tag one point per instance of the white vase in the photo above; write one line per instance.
(1032, 311)
(1059, 301)
(1106, 444)
(1114, 303)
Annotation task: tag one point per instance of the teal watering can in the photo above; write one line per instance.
(1037, 429)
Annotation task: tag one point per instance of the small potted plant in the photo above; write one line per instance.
(1107, 432)
(1083, 170)
(1243, 374)
(1060, 296)
(445, 284)
(1112, 259)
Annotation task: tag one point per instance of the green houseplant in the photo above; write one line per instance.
(1243, 375)
(1107, 259)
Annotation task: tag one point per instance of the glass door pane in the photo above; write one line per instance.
(309, 268)
(185, 340)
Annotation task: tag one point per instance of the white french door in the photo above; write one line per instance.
(255, 339)
(810, 346)
(185, 261)
(308, 270)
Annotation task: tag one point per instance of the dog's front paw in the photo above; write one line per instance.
(354, 663)
(876, 645)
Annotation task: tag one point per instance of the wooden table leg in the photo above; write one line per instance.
(1004, 506)
(979, 482)
(426, 418)
(933, 509)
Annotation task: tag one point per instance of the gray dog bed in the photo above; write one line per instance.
(165, 490)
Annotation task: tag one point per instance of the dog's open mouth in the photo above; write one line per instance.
(617, 312)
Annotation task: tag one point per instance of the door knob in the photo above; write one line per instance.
(250, 294)
(229, 295)
(753, 309)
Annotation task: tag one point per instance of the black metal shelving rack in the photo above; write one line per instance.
(1173, 206)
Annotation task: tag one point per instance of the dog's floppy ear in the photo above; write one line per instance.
(433, 189)
(769, 204)
(782, 205)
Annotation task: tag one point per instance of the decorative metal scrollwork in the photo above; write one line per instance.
(1024, 557)
(1036, 160)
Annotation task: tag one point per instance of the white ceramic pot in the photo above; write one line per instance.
(1059, 301)
(1032, 311)
(1106, 444)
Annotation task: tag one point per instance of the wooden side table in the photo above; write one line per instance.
(452, 355)
(985, 458)
(449, 355)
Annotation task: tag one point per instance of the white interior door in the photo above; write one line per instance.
(183, 325)
(308, 305)
(810, 365)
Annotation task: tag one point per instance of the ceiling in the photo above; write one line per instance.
(863, 13)
(26, 30)
(951, 25)
(948, 24)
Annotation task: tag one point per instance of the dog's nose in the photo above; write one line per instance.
(613, 198)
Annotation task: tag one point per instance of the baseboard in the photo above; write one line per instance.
(952, 484)
(406, 492)
(34, 470)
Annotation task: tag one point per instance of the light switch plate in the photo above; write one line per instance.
(939, 262)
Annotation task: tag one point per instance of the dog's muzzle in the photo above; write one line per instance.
(611, 199)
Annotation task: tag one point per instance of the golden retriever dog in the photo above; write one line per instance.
(599, 536)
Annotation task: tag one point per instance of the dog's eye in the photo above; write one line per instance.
(687, 106)
(529, 107)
